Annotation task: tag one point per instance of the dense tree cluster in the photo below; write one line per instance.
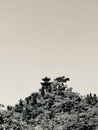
(54, 107)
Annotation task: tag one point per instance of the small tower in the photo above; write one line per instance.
(46, 83)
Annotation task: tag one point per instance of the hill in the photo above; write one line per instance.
(53, 107)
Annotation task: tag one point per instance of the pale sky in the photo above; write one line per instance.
(51, 38)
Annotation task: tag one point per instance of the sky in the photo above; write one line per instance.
(51, 38)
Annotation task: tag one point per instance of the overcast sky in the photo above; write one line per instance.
(47, 37)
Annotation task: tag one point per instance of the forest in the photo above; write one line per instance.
(54, 107)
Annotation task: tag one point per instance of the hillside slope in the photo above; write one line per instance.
(53, 107)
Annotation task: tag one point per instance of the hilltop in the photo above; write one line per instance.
(54, 107)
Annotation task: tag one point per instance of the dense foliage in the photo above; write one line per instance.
(54, 107)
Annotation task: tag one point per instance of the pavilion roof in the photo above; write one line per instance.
(46, 79)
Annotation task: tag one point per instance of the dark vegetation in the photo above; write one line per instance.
(54, 107)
